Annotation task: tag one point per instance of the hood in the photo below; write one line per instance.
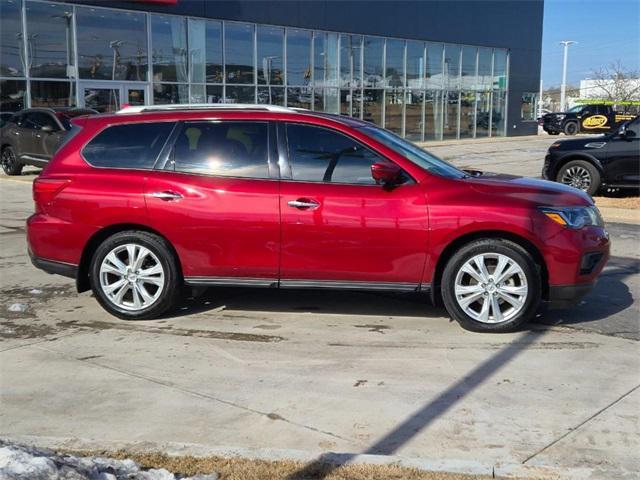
(579, 143)
(533, 190)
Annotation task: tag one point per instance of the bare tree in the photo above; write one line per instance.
(616, 84)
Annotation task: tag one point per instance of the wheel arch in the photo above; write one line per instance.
(83, 282)
(459, 242)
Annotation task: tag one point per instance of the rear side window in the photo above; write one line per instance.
(128, 146)
(232, 149)
(321, 155)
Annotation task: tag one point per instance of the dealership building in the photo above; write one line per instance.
(427, 70)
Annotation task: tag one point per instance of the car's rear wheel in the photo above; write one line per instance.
(9, 161)
(135, 276)
(571, 128)
(580, 174)
(491, 285)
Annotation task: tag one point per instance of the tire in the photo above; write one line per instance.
(571, 128)
(10, 164)
(523, 287)
(162, 284)
(580, 174)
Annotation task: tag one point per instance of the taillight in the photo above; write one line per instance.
(46, 189)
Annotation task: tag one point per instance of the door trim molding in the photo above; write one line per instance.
(307, 284)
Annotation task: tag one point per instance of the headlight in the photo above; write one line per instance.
(574, 217)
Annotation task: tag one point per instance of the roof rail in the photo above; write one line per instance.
(204, 106)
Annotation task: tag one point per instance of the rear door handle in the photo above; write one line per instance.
(166, 195)
(303, 204)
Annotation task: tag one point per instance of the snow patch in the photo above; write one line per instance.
(17, 307)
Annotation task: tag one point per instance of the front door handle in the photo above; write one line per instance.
(166, 195)
(303, 204)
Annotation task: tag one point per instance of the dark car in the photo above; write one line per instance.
(608, 161)
(31, 136)
(591, 118)
(4, 116)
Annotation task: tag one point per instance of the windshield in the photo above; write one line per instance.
(575, 109)
(415, 154)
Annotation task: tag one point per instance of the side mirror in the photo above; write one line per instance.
(46, 128)
(386, 173)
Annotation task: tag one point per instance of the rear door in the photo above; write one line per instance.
(340, 229)
(216, 200)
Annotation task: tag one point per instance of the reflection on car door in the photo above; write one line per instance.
(338, 226)
(623, 156)
(217, 204)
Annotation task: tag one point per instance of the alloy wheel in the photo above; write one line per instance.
(491, 288)
(578, 177)
(7, 160)
(132, 277)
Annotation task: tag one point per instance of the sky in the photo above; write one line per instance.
(606, 31)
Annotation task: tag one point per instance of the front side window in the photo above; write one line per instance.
(37, 120)
(128, 146)
(231, 149)
(320, 155)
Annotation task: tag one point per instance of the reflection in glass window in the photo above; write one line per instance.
(372, 106)
(52, 94)
(467, 113)
(394, 98)
(450, 117)
(394, 65)
(214, 94)
(169, 41)
(434, 75)
(237, 94)
(50, 40)
(299, 97)
(483, 113)
(298, 57)
(103, 100)
(233, 149)
(271, 95)
(414, 107)
(270, 55)
(326, 100)
(11, 56)
(12, 95)
(468, 80)
(485, 56)
(321, 155)
(325, 63)
(111, 45)
(433, 109)
(415, 65)
(205, 51)
(498, 114)
(528, 106)
(373, 52)
(452, 67)
(350, 60)
(500, 69)
(239, 50)
(166, 93)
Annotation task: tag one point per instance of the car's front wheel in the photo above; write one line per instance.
(10, 163)
(491, 285)
(135, 276)
(571, 128)
(580, 174)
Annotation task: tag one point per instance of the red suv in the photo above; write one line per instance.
(136, 204)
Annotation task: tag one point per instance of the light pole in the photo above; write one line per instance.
(563, 87)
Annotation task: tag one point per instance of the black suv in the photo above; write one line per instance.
(591, 163)
(31, 136)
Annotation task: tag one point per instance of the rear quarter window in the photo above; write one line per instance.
(128, 146)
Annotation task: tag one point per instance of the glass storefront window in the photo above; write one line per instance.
(299, 97)
(434, 75)
(239, 48)
(11, 54)
(414, 108)
(111, 45)
(52, 94)
(394, 64)
(165, 93)
(433, 107)
(500, 69)
(270, 55)
(326, 100)
(298, 58)
(169, 48)
(415, 65)
(394, 101)
(325, 62)
(450, 115)
(373, 53)
(12, 95)
(483, 113)
(485, 66)
(468, 80)
(528, 106)
(452, 67)
(239, 94)
(214, 94)
(372, 105)
(271, 95)
(205, 51)
(350, 61)
(498, 113)
(50, 40)
(467, 113)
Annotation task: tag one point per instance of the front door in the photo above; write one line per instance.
(341, 229)
(623, 156)
(217, 204)
(109, 97)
